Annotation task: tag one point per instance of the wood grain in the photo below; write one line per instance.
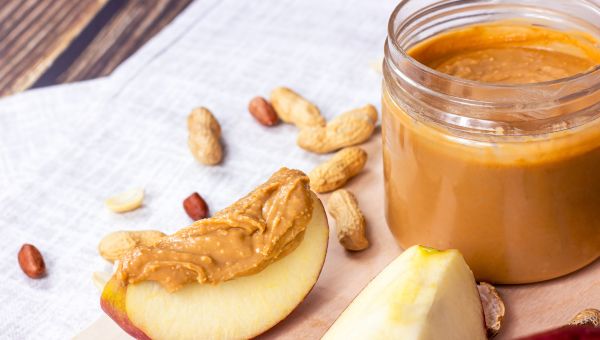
(45, 42)
(530, 308)
(34, 33)
(135, 23)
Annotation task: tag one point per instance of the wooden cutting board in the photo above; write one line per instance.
(530, 308)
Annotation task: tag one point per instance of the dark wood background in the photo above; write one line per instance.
(45, 42)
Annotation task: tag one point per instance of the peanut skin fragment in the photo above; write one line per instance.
(116, 244)
(587, 317)
(493, 308)
(334, 173)
(195, 206)
(31, 261)
(204, 137)
(294, 109)
(349, 220)
(263, 111)
(349, 128)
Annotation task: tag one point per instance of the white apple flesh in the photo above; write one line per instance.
(424, 294)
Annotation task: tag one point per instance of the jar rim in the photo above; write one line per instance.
(481, 108)
(391, 31)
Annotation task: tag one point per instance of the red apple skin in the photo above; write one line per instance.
(567, 333)
(112, 303)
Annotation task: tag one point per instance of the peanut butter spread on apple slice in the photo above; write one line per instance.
(239, 240)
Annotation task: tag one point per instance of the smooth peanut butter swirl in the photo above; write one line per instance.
(509, 52)
(239, 240)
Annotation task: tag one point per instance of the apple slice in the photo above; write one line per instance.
(237, 309)
(423, 294)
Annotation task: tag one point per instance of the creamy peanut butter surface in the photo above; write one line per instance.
(509, 53)
(520, 209)
(240, 240)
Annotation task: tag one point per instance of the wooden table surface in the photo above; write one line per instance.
(45, 42)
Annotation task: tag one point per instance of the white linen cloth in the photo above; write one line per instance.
(37, 124)
(64, 150)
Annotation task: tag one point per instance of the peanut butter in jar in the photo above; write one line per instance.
(491, 134)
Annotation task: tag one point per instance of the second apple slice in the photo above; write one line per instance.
(424, 294)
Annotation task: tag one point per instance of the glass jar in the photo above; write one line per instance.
(507, 174)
